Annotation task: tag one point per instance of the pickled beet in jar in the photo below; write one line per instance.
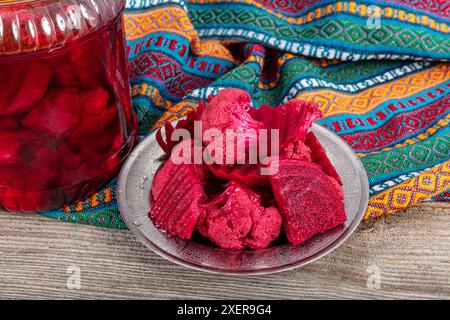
(66, 121)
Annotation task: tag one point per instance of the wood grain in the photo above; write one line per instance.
(412, 252)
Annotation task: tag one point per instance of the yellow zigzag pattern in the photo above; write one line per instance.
(144, 89)
(352, 7)
(180, 110)
(332, 102)
(172, 20)
(428, 185)
(175, 20)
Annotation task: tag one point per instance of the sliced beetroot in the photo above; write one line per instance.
(35, 168)
(237, 220)
(29, 188)
(95, 128)
(177, 195)
(56, 115)
(27, 201)
(228, 111)
(95, 101)
(9, 123)
(116, 63)
(320, 157)
(164, 174)
(111, 167)
(161, 179)
(40, 172)
(70, 179)
(69, 158)
(292, 119)
(99, 117)
(307, 199)
(23, 87)
(32, 89)
(87, 65)
(10, 147)
(13, 139)
(8, 175)
(10, 78)
(188, 152)
(338, 187)
(100, 123)
(63, 71)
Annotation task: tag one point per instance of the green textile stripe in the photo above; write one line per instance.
(340, 73)
(106, 218)
(296, 68)
(344, 30)
(392, 163)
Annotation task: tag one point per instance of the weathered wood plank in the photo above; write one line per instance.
(412, 252)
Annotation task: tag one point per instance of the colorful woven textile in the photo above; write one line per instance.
(377, 69)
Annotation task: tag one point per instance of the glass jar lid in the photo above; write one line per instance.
(32, 25)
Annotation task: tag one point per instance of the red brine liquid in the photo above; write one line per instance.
(66, 121)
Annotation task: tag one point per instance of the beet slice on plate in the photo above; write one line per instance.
(319, 156)
(177, 196)
(309, 201)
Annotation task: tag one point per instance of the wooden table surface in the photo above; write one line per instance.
(409, 254)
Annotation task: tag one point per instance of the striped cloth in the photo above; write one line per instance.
(377, 69)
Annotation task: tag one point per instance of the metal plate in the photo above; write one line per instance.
(133, 195)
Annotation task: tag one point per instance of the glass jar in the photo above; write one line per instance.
(66, 121)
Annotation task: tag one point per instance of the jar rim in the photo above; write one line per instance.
(17, 2)
(33, 25)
